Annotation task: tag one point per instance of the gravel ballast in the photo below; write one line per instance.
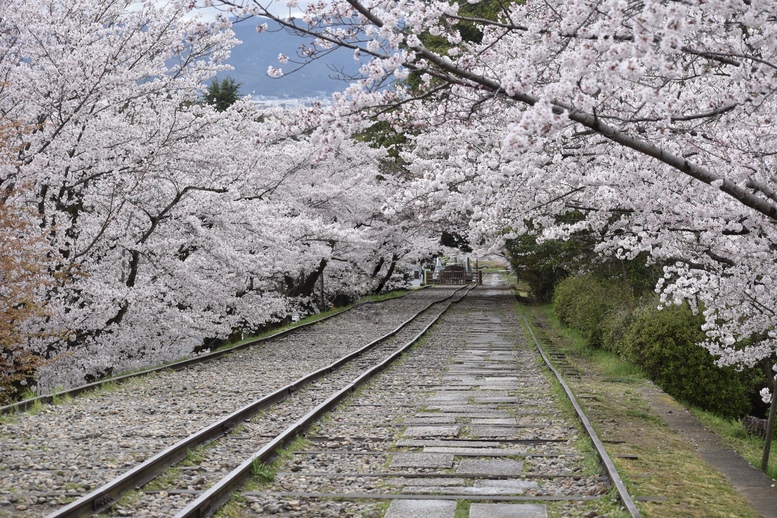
(62, 451)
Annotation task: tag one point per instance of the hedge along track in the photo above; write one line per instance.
(46, 399)
(272, 406)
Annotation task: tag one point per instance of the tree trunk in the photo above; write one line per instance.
(306, 284)
(383, 280)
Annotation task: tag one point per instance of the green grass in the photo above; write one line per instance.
(262, 472)
(58, 398)
(234, 508)
(194, 456)
(383, 506)
(510, 278)
(284, 455)
(614, 369)
(128, 499)
(265, 473)
(35, 407)
(591, 461)
(164, 480)
(462, 509)
(652, 459)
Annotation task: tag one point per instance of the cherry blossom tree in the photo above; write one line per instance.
(106, 90)
(345, 188)
(176, 223)
(168, 224)
(654, 118)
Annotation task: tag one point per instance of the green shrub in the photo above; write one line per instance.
(664, 344)
(614, 326)
(543, 265)
(584, 303)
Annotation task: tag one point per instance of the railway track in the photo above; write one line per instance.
(466, 422)
(65, 452)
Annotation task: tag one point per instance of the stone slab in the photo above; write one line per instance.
(422, 460)
(417, 508)
(483, 452)
(473, 372)
(431, 431)
(478, 491)
(491, 414)
(462, 408)
(460, 378)
(493, 399)
(423, 443)
(494, 431)
(478, 373)
(507, 511)
(482, 368)
(466, 394)
(432, 419)
(494, 467)
(483, 338)
(420, 482)
(517, 484)
(451, 396)
(489, 421)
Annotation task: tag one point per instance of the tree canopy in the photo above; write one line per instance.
(222, 94)
(171, 221)
(168, 222)
(653, 119)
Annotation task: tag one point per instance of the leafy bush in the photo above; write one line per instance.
(614, 326)
(584, 303)
(543, 265)
(664, 344)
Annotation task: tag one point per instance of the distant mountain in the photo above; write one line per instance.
(260, 51)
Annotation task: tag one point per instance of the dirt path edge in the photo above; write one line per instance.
(757, 488)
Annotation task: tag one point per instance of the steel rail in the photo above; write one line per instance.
(20, 406)
(218, 494)
(104, 496)
(609, 466)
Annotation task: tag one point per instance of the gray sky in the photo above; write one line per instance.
(277, 7)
